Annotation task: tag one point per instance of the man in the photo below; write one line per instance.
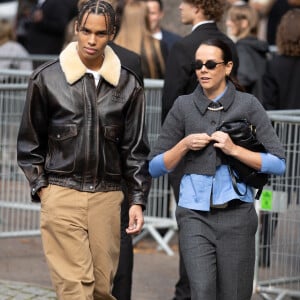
(180, 79)
(81, 136)
(155, 16)
(122, 284)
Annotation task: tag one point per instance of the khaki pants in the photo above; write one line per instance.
(81, 239)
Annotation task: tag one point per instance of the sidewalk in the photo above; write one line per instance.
(24, 274)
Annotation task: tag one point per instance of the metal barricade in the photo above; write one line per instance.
(9, 76)
(160, 209)
(20, 217)
(34, 59)
(277, 272)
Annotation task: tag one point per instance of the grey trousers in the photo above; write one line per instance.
(218, 249)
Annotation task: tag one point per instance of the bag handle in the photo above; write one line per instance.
(234, 183)
(235, 187)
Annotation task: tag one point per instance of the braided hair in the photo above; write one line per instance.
(98, 7)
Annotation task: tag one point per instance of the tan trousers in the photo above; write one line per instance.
(81, 239)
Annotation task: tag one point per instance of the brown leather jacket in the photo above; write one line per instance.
(84, 137)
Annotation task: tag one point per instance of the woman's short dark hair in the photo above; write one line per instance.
(98, 7)
(226, 56)
(226, 51)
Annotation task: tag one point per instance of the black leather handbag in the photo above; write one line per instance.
(243, 134)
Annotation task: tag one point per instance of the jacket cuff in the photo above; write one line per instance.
(35, 188)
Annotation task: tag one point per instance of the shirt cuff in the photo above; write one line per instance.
(157, 166)
(272, 164)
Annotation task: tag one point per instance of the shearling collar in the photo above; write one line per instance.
(74, 69)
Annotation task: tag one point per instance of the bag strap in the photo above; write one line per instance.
(234, 183)
(235, 187)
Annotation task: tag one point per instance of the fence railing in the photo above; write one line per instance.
(278, 238)
(20, 217)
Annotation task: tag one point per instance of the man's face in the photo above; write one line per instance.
(155, 15)
(92, 38)
(187, 13)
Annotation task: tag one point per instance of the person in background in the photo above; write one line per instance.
(134, 35)
(180, 79)
(281, 87)
(155, 17)
(272, 11)
(22, 20)
(216, 225)
(85, 139)
(11, 51)
(242, 22)
(46, 25)
(122, 283)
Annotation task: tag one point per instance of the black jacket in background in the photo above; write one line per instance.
(48, 36)
(253, 57)
(129, 60)
(281, 88)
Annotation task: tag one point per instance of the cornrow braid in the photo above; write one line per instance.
(98, 7)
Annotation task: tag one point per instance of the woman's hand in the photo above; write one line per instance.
(197, 141)
(224, 142)
(194, 142)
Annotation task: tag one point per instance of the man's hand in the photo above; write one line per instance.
(136, 219)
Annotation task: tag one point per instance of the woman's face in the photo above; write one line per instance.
(213, 81)
(232, 27)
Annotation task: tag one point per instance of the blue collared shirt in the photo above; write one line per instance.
(196, 191)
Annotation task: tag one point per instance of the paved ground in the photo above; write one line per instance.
(24, 274)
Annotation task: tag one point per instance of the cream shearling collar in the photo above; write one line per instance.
(74, 69)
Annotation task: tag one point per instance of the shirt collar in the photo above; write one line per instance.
(201, 23)
(225, 99)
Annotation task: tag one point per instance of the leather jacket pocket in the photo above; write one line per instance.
(112, 135)
(62, 147)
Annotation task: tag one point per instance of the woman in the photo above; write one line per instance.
(281, 87)
(242, 23)
(135, 36)
(216, 225)
(10, 50)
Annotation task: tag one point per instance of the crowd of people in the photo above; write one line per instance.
(97, 150)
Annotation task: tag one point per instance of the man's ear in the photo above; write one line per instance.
(112, 36)
(76, 28)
